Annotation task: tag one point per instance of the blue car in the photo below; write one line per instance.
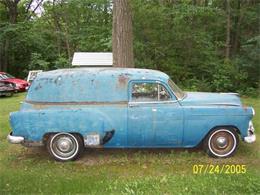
(68, 110)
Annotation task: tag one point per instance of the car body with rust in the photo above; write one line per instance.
(6, 88)
(70, 109)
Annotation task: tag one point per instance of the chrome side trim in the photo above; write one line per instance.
(15, 139)
(224, 103)
(75, 103)
(217, 104)
(237, 94)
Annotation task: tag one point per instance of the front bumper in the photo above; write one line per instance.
(15, 139)
(251, 133)
(250, 139)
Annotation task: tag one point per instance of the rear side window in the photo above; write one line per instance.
(149, 92)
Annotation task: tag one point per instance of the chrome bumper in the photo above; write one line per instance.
(251, 134)
(15, 139)
(250, 139)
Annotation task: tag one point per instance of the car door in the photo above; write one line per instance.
(155, 118)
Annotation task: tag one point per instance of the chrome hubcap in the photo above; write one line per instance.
(64, 146)
(221, 142)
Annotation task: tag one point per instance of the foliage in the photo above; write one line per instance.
(37, 63)
(187, 42)
(186, 39)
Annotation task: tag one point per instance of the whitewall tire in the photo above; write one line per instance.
(65, 146)
(221, 142)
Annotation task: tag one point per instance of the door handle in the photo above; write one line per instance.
(132, 105)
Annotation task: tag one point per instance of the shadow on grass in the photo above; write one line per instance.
(102, 156)
(94, 156)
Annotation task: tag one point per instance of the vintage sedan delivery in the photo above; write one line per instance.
(70, 109)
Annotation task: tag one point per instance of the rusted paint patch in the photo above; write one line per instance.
(58, 80)
(245, 108)
(122, 80)
(39, 106)
(39, 86)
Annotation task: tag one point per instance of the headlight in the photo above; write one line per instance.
(18, 85)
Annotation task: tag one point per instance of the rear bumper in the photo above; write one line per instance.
(15, 139)
(20, 140)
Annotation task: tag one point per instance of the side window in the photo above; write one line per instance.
(149, 92)
(163, 93)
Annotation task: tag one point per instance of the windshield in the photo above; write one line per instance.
(6, 76)
(176, 90)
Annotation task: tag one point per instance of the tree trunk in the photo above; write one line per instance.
(6, 57)
(228, 29)
(67, 42)
(1, 56)
(122, 34)
(64, 17)
(206, 3)
(236, 42)
(57, 27)
(11, 6)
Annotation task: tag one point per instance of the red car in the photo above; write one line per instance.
(6, 88)
(20, 85)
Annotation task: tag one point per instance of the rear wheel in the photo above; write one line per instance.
(65, 146)
(9, 94)
(221, 143)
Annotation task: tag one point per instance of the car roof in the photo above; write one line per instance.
(131, 73)
(88, 84)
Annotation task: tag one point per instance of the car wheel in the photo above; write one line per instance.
(9, 94)
(65, 146)
(221, 143)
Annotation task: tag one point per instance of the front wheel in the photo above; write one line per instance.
(221, 143)
(65, 146)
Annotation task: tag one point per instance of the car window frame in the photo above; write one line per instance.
(169, 91)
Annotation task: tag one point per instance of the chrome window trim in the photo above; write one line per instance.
(153, 102)
(185, 95)
(180, 99)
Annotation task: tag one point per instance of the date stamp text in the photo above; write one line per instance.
(219, 169)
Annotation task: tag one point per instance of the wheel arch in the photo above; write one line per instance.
(233, 127)
(48, 134)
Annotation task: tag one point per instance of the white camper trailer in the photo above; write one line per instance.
(92, 59)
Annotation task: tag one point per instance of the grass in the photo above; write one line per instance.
(32, 171)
